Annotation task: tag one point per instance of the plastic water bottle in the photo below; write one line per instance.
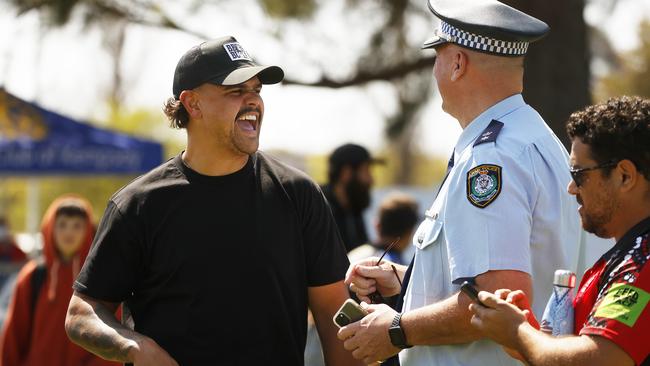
(558, 315)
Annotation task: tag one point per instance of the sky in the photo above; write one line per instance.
(71, 72)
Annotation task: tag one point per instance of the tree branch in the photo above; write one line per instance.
(363, 77)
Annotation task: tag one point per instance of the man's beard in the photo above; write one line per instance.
(358, 195)
(595, 220)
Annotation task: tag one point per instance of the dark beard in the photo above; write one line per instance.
(358, 196)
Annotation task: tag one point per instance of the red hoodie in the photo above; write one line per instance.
(39, 338)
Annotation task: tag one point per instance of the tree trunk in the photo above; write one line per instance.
(556, 81)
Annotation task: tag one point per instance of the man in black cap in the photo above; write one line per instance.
(502, 217)
(348, 191)
(218, 252)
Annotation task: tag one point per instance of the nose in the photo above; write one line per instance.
(572, 188)
(253, 98)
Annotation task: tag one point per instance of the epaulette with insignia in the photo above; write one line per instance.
(490, 133)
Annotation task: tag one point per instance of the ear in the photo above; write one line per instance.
(629, 174)
(458, 65)
(190, 100)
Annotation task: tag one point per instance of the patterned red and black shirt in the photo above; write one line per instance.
(612, 300)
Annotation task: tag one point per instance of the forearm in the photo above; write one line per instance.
(93, 326)
(539, 349)
(324, 302)
(445, 322)
(333, 350)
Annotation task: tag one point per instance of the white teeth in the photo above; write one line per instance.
(248, 117)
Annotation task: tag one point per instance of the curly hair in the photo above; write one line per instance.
(615, 130)
(176, 113)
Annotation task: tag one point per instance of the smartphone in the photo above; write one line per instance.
(471, 292)
(349, 312)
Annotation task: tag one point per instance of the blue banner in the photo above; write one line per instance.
(35, 141)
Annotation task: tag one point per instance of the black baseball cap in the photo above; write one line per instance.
(222, 61)
(352, 154)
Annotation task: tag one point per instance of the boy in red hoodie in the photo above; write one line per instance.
(33, 332)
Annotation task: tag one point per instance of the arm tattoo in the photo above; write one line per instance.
(94, 327)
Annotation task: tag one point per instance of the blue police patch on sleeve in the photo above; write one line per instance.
(483, 184)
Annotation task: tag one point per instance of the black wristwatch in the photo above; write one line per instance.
(396, 333)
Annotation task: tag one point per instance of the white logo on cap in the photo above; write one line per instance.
(236, 51)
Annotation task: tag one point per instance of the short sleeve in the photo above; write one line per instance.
(622, 315)
(488, 215)
(325, 253)
(111, 269)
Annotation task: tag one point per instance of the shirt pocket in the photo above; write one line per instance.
(427, 233)
(428, 275)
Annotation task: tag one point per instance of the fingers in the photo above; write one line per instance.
(362, 290)
(348, 331)
(357, 354)
(476, 320)
(368, 307)
(350, 344)
(488, 299)
(370, 361)
(477, 309)
(371, 271)
(517, 297)
(480, 313)
(502, 293)
(363, 282)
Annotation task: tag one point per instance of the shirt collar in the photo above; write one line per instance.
(474, 129)
(629, 238)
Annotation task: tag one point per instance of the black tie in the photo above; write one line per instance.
(407, 275)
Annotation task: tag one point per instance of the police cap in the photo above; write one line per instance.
(485, 25)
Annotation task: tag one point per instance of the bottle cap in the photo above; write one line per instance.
(564, 278)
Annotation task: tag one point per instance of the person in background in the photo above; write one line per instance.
(395, 222)
(33, 333)
(610, 164)
(11, 256)
(9, 250)
(348, 191)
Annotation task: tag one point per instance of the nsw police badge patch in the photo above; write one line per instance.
(483, 184)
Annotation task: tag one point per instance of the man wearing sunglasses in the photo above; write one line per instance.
(218, 252)
(610, 159)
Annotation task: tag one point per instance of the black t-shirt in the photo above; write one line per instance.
(216, 269)
(350, 225)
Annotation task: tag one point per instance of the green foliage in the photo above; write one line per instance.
(300, 9)
(633, 77)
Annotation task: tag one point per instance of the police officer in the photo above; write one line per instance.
(502, 216)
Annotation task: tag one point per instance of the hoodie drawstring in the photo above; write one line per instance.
(54, 275)
(54, 278)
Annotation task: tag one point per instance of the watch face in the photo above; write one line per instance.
(397, 337)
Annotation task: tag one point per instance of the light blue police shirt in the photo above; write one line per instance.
(504, 206)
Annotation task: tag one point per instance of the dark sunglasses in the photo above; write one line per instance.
(376, 297)
(578, 175)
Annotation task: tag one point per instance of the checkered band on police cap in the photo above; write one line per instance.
(480, 43)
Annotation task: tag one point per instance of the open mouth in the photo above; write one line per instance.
(248, 122)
